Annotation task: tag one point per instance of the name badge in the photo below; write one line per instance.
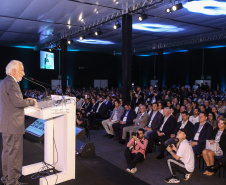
(196, 137)
(125, 119)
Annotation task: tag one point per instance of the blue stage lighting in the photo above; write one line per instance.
(156, 27)
(95, 41)
(208, 7)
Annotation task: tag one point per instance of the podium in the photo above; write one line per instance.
(59, 140)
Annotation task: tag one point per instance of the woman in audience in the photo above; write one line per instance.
(219, 136)
(173, 111)
(212, 120)
(215, 111)
(160, 107)
(178, 108)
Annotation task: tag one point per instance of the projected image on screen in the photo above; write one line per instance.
(46, 60)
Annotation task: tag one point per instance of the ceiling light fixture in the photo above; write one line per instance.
(142, 17)
(176, 7)
(98, 32)
(117, 25)
(70, 41)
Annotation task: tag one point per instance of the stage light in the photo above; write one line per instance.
(156, 27)
(70, 41)
(207, 7)
(117, 25)
(98, 32)
(50, 49)
(142, 17)
(95, 41)
(168, 10)
(82, 37)
(177, 7)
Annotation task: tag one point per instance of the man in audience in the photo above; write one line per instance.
(168, 125)
(98, 113)
(126, 120)
(80, 120)
(135, 151)
(139, 122)
(154, 121)
(182, 158)
(189, 108)
(195, 118)
(89, 106)
(115, 117)
(58, 90)
(179, 115)
(108, 102)
(202, 131)
(93, 109)
(208, 108)
(184, 124)
(139, 95)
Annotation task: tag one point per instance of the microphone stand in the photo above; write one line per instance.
(47, 98)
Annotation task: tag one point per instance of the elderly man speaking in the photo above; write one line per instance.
(12, 126)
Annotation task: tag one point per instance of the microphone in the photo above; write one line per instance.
(39, 81)
(37, 84)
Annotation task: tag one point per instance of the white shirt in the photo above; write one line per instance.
(183, 124)
(99, 106)
(218, 136)
(186, 154)
(194, 119)
(179, 118)
(153, 116)
(165, 119)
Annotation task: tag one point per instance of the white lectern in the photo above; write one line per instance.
(59, 131)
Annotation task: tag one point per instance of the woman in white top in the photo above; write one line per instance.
(160, 107)
(219, 136)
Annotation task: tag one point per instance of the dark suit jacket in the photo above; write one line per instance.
(109, 105)
(130, 117)
(169, 126)
(12, 107)
(189, 127)
(102, 110)
(206, 133)
(156, 122)
(89, 108)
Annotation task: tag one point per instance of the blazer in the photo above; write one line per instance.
(109, 105)
(102, 110)
(12, 107)
(206, 133)
(120, 113)
(156, 122)
(143, 120)
(169, 126)
(188, 127)
(131, 115)
(89, 107)
(222, 142)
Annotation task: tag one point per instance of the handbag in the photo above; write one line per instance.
(215, 147)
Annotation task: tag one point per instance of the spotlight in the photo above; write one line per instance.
(81, 37)
(50, 49)
(98, 32)
(168, 10)
(117, 25)
(177, 7)
(70, 41)
(142, 17)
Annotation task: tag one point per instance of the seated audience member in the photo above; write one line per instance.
(98, 113)
(208, 108)
(149, 109)
(184, 124)
(221, 107)
(215, 111)
(108, 103)
(139, 122)
(173, 111)
(190, 110)
(212, 120)
(93, 108)
(195, 117)
(218, 137)
(202, 131)
(160, 107)
(58, 90)
(115, 117)
(179, 115)
(135, 151)
(178, 108)
(80, 121)
(154, 121)
(202, 108)
(168, 103)
(126, 120)
(89, 106)
(182, 158)
(168, 125)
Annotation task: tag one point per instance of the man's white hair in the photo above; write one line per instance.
(13, 64)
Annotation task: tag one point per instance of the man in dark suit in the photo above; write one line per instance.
(126, 120)
(12, 125)
(89, 106)
(154, 121)
(168, 125)
(202, 131)
(99, 112)
(184, 124)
